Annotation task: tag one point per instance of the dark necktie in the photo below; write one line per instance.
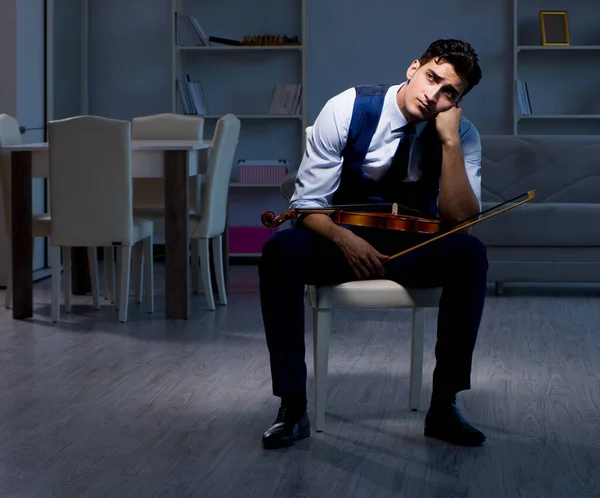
(399, 166)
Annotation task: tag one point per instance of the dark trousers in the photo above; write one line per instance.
(296, 257)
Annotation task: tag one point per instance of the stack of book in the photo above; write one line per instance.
(286, 99)
(191, 97)
(523, 98)
(195, 34)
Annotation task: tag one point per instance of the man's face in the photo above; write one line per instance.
(432, 88)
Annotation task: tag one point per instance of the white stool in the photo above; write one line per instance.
(367, 294)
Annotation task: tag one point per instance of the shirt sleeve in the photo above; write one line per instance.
(471, 146)
(319, 173)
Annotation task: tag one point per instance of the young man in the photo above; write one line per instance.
(406, 143)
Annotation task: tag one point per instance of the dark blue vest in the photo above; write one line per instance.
(356, 188)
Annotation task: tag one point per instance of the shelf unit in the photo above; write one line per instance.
(560, 78)
(240, 79)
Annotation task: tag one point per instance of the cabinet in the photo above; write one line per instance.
(241, 79)
(561, 81)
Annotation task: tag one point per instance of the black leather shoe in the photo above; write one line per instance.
(447, 423)
(291, 425)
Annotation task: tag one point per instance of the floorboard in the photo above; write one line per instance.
(174, 408)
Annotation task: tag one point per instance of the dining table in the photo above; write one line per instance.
(174, 160)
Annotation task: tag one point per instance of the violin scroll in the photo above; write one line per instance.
(269, 219)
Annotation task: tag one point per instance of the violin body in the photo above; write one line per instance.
(387, 221)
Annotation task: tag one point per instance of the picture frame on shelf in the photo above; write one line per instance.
(554, 28)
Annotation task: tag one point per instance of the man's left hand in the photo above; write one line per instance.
(448, 125)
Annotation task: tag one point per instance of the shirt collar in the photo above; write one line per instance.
(396, 118)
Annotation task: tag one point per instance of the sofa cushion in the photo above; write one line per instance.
(545, 224)
(561, 168)
(544, 264)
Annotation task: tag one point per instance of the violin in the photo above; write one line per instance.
(387, 221)
(392, 221)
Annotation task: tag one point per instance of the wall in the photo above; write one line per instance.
(129, 57)
(130, 60)
(67, 94)
(8, 57)
(344, 51)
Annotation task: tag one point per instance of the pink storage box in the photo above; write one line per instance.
(248, 240)
(261, 171)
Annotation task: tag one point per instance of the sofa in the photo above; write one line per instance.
(556, 237)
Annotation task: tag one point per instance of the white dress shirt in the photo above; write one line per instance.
(319, 173)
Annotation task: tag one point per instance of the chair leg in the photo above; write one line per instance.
(93, 262)
(119, 256)
(195, 265)
(149, 273)
(8, 297)
(137, 271)
(321, 332)
(66, 254)
(109, 274)
(217, 251)
(416, 358)
(54, 253)
(205, 270)
(124, 265)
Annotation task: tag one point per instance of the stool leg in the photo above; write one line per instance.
(321, 332)
(416, 358)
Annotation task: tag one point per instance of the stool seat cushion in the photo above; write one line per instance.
(371, 294)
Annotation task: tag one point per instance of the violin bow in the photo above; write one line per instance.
(465, 223)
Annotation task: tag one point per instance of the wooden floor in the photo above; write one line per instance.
(161, 408)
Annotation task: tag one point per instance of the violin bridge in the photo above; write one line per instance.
(395, 208)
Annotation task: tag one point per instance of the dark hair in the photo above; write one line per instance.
(458, 53)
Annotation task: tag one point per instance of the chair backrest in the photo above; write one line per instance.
(9, 135)
(165, 126)
(216, 188)
(90, 181)
(288, 185)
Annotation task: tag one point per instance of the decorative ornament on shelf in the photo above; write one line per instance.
(270, 40)
(554, 28)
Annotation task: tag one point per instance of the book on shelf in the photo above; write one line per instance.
(286, 99)
(224, 41)
(189, 25)
(191, 97)
(523, 98)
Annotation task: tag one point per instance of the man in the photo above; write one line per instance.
(409, 144)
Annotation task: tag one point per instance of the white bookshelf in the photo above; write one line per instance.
(247, 48)
(561, 80)
(240, 79)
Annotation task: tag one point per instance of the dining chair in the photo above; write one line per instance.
(209, 225)
(90, 163)
(149, 193)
